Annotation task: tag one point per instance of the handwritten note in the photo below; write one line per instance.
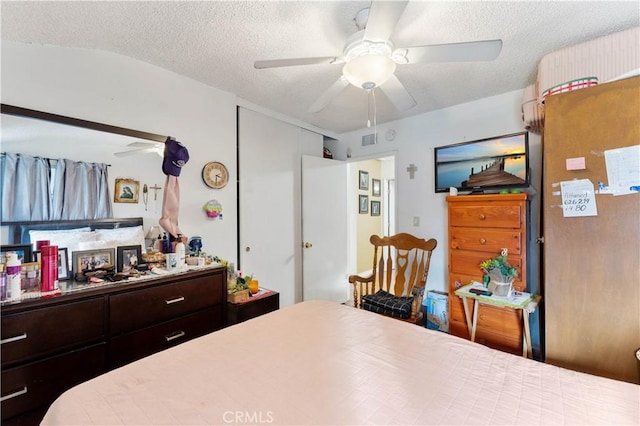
(578, 198)
(623, 169)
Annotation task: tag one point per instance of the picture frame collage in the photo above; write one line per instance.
(366, 206)
(123, 259)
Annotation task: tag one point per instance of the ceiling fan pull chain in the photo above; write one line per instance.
(368, 108)
(375, 119)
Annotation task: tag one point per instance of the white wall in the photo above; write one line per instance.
(120, 91)
(414, 142)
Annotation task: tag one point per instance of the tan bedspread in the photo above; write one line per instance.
(324, 363)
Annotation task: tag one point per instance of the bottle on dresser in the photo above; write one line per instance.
(14, 281)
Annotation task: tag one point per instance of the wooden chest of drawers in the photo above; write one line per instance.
(50, 345)
(480, 226)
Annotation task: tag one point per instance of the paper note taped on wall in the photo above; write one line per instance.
(578, 198)
(577, 163)
(623, 169)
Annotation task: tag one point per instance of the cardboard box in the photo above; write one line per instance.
(437, 310)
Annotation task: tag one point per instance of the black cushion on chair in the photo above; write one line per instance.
(383, 302)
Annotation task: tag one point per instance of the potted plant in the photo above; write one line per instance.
(500, 274)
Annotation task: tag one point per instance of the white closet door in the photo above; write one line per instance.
(269, 210)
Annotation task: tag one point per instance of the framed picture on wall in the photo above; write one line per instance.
(363, 177)
(375, 187)
(126, 191)
(375, 208)
(363, 203)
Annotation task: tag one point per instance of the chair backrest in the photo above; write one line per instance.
(401, 262)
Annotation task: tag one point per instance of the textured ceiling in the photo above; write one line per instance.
(217, 42)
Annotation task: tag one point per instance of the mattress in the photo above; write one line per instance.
(587, 64)
(320, 362)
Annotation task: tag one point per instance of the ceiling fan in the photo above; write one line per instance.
(370, 58)
(142, 148)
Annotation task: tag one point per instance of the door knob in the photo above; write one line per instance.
(247, 249)
(308, 245)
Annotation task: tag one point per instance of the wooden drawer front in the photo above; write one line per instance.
(40, 332)
(134, 310)
(237, 313)
(485, 240)
(133, 346)
(39, 383)
(486, 216)
(467, 263)
(511, 344)
(498, 328)
(501, 320)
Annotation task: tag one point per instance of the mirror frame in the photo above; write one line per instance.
(40, 115)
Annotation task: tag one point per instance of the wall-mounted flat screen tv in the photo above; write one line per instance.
(499, 162)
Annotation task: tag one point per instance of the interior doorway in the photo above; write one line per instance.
(372, 207)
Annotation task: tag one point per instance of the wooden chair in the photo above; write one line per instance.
(396, 285)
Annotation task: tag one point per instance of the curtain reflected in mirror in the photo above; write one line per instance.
(53, 166)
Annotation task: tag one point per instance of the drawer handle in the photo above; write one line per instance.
(483, 241)
(13, 339)
(176, 335)
(482, 216)
(15, 394)
(176, 300)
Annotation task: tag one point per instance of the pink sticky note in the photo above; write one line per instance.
(575, 163)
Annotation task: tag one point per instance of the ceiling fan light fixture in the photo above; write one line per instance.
(369, 71)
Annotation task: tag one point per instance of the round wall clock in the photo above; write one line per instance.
(215, 175)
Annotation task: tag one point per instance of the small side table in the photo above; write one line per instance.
(261, 303)
(527, 302)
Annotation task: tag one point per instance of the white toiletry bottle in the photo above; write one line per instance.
(14, 281)
(180, 252)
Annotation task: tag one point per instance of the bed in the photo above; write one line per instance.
(320, 362)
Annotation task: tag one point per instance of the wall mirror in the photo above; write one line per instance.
(39, 133)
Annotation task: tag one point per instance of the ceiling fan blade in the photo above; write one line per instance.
(397, 94)
(137, 151)
(329, 94)
(276, 63)
(145, 144)
(486, 50)
(383, 16)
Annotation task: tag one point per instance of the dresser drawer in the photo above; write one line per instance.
(134, 310)
(496, 327)
(464, 267)
(486, 216)
(503, 321)
(40, 332)
(36, 384)
(133, 346)
(501, 342)
(485, 240)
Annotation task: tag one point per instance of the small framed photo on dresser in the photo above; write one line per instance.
(64, 273)
(22, 250)
(129, 257)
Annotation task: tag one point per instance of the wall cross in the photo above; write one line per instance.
(412, 170)
(155, 188)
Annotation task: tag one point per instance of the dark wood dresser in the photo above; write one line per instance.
(51, 344)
